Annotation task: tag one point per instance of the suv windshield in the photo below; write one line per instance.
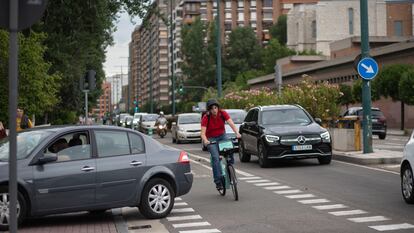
(237, 116)
(191, 119)
(374, 112)
(149, 117)
(285, 116)
(26, 142)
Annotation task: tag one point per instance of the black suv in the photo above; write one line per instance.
(283, 132)
(379, 122)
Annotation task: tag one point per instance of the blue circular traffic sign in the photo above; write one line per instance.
(367, 68)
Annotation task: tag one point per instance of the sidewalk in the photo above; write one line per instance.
(378, 157)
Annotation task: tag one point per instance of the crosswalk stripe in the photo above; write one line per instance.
(288, 191)
(299, 196)
(180, 204)
(277, 187)
(369, 219)
(181, 218)
(392, 227)
(249, 178)
(183, 210)
(348, 212)
(201, 231)
(329, 207)
(191, 224)
(257, 181)
(314, 201)
(267, 184)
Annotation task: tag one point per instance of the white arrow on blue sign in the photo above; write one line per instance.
(367, 68)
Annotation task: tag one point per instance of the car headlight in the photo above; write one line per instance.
(181, 129)
(326, 137)
(272, 138)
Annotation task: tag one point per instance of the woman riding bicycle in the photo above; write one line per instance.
(213, 130)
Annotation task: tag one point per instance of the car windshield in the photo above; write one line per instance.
(26, 142)
(122, 117)
(285, 116)
(374, 113)
(137, 116)
(237, 116)
(149, 117)
(189, 119)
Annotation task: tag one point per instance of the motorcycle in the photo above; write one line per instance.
(162, 130)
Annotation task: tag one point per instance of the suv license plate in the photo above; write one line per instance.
(302, 147)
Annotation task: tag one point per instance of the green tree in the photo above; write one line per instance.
(243, 52)
(279, 30)
(38, 88)
(273, 51)
(406, 87)
(357, 91)
(346, 95)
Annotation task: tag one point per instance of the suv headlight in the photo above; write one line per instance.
(326, 137)
(272, 138)
(181, 129)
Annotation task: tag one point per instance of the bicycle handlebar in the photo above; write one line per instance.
(232, 138)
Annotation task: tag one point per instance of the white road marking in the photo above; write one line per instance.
(249, 178)
(202, 231)
(329, 207)
(288, 191)
(314, 201)
(257, 181)
(300, 196)
(369, 219)
(183, 210)
(243, 173)
(182, 218)
(348, 212)
(267, 184)
(180, 204)
(392, 227)
(370, 168)
(191, 224)
(276, 187)
(178, 199)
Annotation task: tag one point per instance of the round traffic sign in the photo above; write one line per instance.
(367, 68)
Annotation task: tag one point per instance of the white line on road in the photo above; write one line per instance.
(288, 191)
(181, 218)
(369, 219)
(178, 199)
(392, 227)
(205, 166)
(329, 207)
(267, 184)
(314, 201)
(276, 187)
(202, 231)
(183, 210)
(191, 224)
(180, 204)
(371, 168)
(249, 178)
(300, 196)
(348, 212)
(257, 181)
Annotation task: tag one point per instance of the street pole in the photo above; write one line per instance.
(13, 96)
(86, 106)
(278, 79)
(129, 82)
(366, 89)
(172, 59)
(150, 72)
(218, 67)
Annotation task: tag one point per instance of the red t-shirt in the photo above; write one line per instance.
(215, 127)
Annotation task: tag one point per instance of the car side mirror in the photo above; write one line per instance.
(318, 120)
(47, 158)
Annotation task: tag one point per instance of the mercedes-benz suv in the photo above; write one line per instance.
(283, 132)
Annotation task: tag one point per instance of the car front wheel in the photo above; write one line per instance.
(157, 199)
(4, 208)
(243, 155)
(325, 159)
(407, 182)
(263, 161)
(382, 136)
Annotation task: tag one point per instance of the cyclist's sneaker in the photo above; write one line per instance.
(219, 186)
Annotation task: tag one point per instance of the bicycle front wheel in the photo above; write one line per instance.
(233, 181)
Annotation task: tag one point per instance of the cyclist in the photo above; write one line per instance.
(213, 130)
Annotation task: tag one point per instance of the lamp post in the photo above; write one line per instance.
(172, 59)
(218, 59)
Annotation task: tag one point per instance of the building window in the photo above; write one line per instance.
(227, 26)
(253, 25)
(267, 3)
(314, 29)
(228, 15)
(398, 28)
(253, 3)
(240, 3)
(241, 16)
(351, 20)
(228, 4)
(253, 16)
(214, 4)
(267, 15)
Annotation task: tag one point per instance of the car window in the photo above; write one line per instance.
(112, 143)
(189, 119)
(255, 116)
(249, 116)
(285, 116)
(137, 144)
(149, 117)
(70, 147)
(237, 116)
(26, 143)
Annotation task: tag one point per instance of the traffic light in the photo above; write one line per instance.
(181, 88)
(136, 109)
(88, 81)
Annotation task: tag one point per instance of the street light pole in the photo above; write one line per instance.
(129, 82)
(218, 59)
(366, 89)
(150, 71)
(172, 59)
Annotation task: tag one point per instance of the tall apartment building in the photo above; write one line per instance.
(104, 104)
(149, 58)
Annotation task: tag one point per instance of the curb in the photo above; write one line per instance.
(366, 161)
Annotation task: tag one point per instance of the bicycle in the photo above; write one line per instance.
(229, 179)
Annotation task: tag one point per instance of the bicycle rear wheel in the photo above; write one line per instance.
(233, 181)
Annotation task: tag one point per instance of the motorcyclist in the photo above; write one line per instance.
(213, 130)
(161, 120)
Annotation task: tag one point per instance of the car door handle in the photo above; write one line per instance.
(135, 163)
(87, 169)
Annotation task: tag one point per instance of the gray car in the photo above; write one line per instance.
(92, 168)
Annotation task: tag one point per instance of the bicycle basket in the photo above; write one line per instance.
(225, 145)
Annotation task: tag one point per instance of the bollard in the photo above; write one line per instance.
(357, 136)
(150, 132)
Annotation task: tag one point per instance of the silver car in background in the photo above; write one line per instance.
(92, 168)
(187, 128)
(407, 177)
(147, 123)
(137, 117)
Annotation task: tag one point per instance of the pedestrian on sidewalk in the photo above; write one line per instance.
(3, 133)
(22, 121)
